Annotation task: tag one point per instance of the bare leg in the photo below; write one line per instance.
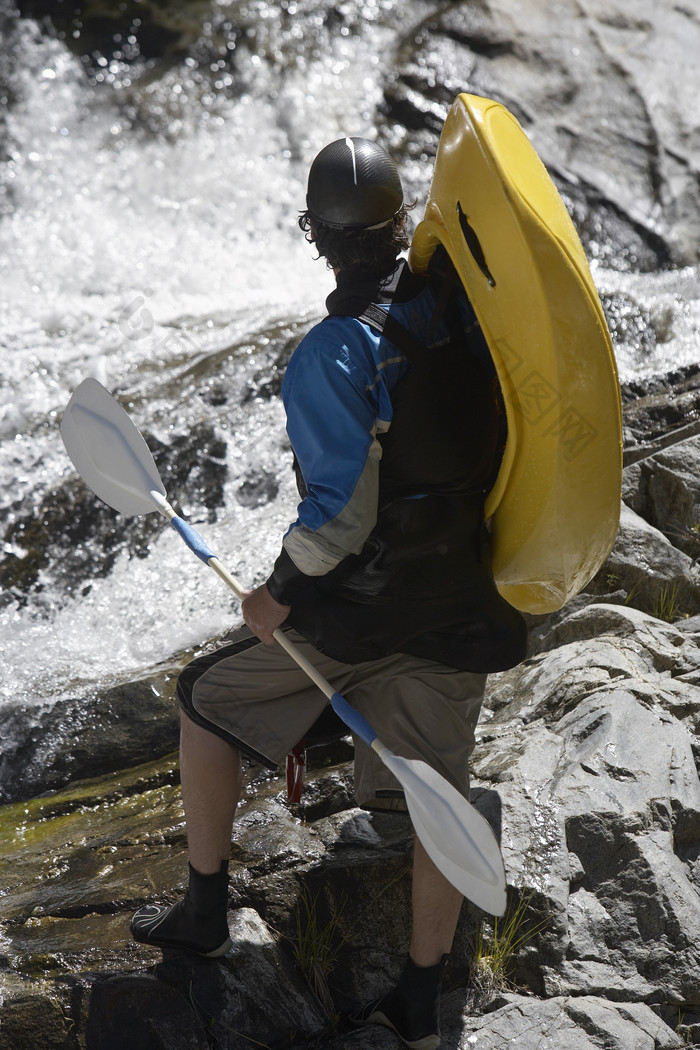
(436, 907)
(210, 770)
(412, 1007)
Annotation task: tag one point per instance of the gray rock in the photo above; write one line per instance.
(141, 1012)
(580, 1023)
(585, 86)
(100, 729)
(600, 796)
(650, 570)
(255, 996)
(665, 490)
(32, 1017)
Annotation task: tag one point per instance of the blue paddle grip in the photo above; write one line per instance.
(193, 540)
(352, 718)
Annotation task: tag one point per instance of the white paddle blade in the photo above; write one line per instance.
(108, 451)
(456, 837)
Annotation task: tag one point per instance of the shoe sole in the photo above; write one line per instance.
(218, 952)
(175, 946)
(428, 1042)
(163, 944)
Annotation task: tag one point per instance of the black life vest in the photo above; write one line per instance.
(448, 427)
(422, 583)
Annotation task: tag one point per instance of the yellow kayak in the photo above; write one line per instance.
(555, 506)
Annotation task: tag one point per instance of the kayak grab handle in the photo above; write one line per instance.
(474, 246)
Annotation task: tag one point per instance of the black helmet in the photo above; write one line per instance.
(353, 184)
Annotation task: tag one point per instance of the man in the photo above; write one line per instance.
(384, 580)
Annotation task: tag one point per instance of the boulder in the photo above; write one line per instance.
(665, 490)
(651, 572)
(100, 729)
(598, 783)
(586, 88)
(577, 1022)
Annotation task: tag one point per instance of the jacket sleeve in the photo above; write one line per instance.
(331, 396)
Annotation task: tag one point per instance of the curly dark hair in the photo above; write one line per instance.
(375, 250)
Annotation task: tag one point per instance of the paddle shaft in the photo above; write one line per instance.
(352, 718)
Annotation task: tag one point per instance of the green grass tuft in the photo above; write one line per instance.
(495, 950)
(667, 606)
(317, 946)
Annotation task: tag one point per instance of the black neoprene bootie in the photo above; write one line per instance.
(196, 924)
(412, 1008)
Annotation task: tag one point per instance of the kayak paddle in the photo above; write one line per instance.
(113, 459)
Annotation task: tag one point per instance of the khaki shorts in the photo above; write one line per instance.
(256, 697)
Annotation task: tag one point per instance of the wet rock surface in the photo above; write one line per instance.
(608, 95)
(97, 730)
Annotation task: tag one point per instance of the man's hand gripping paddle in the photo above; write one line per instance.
(112, 457)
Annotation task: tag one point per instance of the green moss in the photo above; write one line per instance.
(33, 821)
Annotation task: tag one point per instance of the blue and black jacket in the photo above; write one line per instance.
(397, 426)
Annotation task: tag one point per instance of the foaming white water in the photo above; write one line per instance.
(196, 224)
(142, 613)
(670, 301)
(127, 255)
